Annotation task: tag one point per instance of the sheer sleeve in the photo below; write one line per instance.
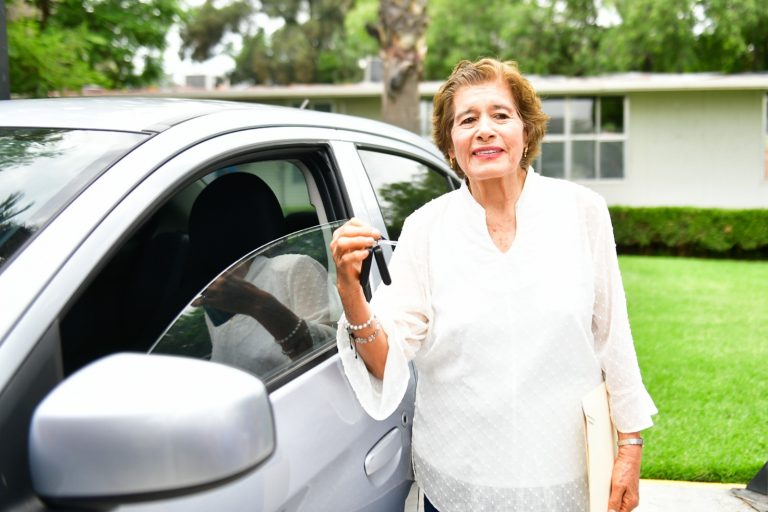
(403, 311)
(631, 405)
(308, 285)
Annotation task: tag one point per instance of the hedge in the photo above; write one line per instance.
(684, 231)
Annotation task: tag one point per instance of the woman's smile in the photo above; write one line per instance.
(487, 152)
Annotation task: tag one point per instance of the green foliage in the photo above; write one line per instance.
(649, 28)
(400, 199)
(587, 37)
(188, 336)
(736, 39)
(691, 231)
(52, 60)
(57, 45)
(700, 329)
(357, 38)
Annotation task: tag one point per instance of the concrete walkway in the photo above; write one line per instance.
(668, 496)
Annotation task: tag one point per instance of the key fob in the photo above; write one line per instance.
(382, 264)
(365, 270)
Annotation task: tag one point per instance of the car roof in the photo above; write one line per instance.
(139, 114)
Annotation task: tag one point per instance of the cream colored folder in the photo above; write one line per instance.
(601, 446)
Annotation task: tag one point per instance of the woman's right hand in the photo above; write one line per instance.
(349, 248)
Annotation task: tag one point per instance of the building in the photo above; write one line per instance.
(638, 139)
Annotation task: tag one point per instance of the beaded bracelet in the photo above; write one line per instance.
(352, 327)
(290, 334)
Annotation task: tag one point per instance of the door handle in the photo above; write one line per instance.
(385, 450)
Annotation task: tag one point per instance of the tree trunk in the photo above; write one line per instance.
(400, 104)
(402, 40)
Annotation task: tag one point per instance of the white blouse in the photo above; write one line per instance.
(505, 345)
(299, 283)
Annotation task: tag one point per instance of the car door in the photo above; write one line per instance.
(122, 286)
(330, 455)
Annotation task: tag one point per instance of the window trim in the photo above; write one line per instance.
(598, 137)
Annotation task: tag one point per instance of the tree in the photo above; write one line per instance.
(587, 37)
(309, 47)
(401, 34)
(734, 36)
(653, 36)
(544, 37)
(65, 44)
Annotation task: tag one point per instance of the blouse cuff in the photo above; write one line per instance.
(632, 410)
(379, 398)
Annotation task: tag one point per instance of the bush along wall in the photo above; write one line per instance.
(682, 231)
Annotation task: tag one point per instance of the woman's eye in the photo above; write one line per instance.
(502, 115)
(467, 120)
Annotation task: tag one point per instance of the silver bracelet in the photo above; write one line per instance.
(638, 441)
(353, 327)
(367, 339)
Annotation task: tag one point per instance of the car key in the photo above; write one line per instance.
(365, 270)
(378, 254)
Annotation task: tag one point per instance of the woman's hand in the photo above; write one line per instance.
(349, 247)
(625, 481)
(233, 294)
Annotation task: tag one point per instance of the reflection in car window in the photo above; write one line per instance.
(287, 182)
(272, 310)
(402, 186)
(42, 169)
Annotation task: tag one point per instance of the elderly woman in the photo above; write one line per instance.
(507, 296)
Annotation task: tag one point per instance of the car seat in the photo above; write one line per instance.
(234, 215)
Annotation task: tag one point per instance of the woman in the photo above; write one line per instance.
(507, 296)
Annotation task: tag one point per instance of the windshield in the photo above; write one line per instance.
(42, 169)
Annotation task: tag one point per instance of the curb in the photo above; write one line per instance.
(684, 483)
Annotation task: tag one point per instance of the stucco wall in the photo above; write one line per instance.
(693, 148)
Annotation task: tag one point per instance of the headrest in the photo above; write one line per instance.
(233, 215)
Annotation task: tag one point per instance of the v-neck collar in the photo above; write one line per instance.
(476, 211)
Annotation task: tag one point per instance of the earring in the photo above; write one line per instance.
(525, 152)
(453, 163)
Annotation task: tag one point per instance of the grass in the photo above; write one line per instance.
(701, 334)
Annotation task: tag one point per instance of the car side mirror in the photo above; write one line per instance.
(134, 425)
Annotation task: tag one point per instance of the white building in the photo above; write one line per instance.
(638, 139)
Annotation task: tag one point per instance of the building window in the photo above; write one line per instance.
(585, 139)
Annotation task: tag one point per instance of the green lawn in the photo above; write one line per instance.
(701, 333)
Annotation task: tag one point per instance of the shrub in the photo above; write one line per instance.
(684, 231)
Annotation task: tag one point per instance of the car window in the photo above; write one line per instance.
(41, 170)
(268, 313)
(287, 182)
(201, 230)
(402, 185)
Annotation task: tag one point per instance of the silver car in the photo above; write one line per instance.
(168, 305)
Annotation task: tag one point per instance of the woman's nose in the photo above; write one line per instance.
(484, 128)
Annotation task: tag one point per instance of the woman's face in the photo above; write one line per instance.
(488, 134)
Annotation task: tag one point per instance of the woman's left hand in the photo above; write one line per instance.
(625, 481)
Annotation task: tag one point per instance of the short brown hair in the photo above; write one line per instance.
(486, 70)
